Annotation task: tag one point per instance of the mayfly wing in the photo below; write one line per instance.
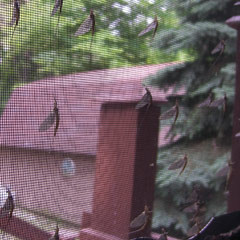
(206, 102)
(16, 13)
(217, 103)
(176, 113)
(228, 178)
(142, 103)
(163, 235)
(56, 111)
(10, 203)
(192, 200)
(145, 101)
(84, 27)
(237, 135)
(139, 221)
(58, 5)
(168, 114)
(156, 27)
(190, 209)
(153, 25)
(236, 3)
(220, 102)
(8, 207)
(223, 171)
(177, 164)
(48, 122)
(200, 207)
(196, 207)
(15, 16)
(184, 164)
(87, 25)
(56, 235)
(181, 163)
(229, 174)
(92, 16)
(195, 229)
(219, 48)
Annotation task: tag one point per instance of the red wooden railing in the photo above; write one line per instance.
(234, 190)
(125, 170)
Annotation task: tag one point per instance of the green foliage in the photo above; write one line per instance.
(202, 27)
(42, 47)
(198, 35)
(173, 190)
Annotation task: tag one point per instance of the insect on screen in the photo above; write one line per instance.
(117, 118)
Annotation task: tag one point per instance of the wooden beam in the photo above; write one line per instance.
(125, 170)
(234, 190)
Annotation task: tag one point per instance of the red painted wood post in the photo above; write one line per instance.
(125, 170)
(234, 190)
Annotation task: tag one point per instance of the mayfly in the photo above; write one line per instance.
(196, 228)
(237, 134)
(56, 235)
(218, 49)
(87, 25)
(8, 207)
(207, 102)
(153, 25)
(163, 235)
(192, 199)
(223, 172)
(141, 221)
(236, 3)
(58, 5)
(226, 171)
(181, 163)
(145, 101)
(220, 102)
(50, 119)
(198, 209)
(15, 15)
(172, 112)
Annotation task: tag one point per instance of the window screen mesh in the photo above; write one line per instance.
(83, 83)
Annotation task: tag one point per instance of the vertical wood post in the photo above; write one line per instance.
(234, 190)
(125, 170)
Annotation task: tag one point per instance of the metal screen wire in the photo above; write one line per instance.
(114, 107)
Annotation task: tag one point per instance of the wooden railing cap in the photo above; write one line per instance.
(234, 22)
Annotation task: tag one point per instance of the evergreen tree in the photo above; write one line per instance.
(204, 133)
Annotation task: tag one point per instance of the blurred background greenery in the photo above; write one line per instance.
(40, 47)
(188, 31)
